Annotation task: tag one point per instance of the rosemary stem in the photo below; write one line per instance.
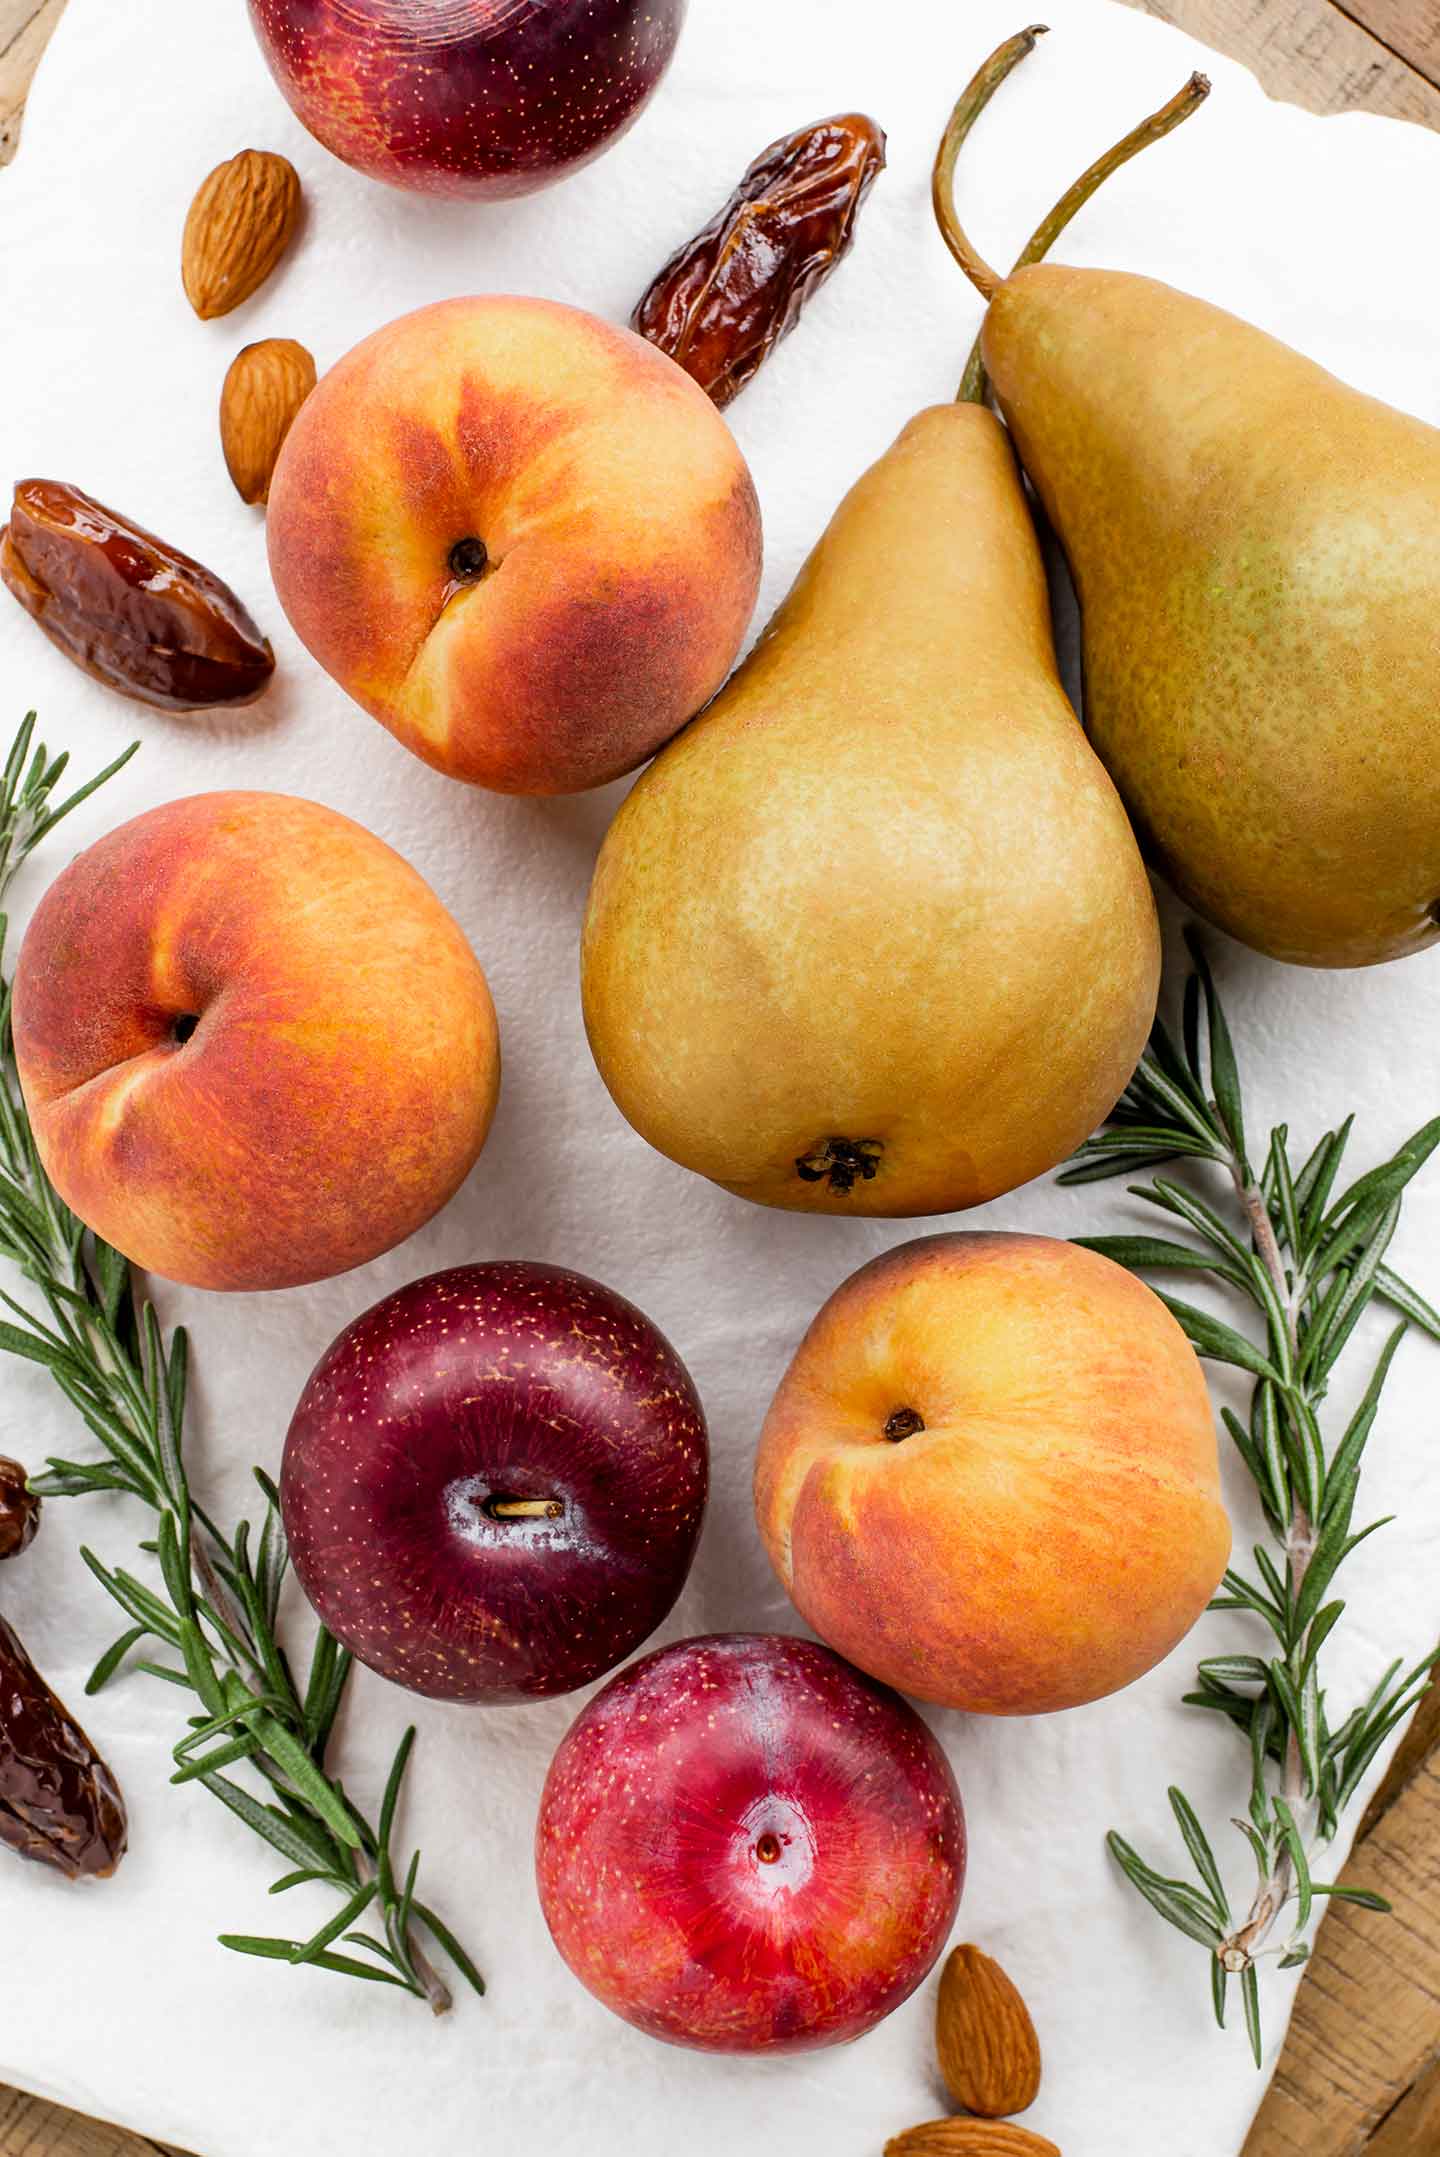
(1273, 1894)
(430, 1984)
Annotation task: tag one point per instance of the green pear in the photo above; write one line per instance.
(1256, 549)
(872, 936)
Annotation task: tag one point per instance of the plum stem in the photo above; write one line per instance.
(523, 1508)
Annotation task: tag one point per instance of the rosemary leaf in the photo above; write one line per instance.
(1212, 1338)
(1219, 1986)
(1154, 1251)
(289, 1951)
(1167, 1897)
(1200, 1851)
(1294, 1842)
(113, 1657)
(1250, 1996)
(1404, 1298)
(1307, 1265)
(343, 1919)
(1361, 1896)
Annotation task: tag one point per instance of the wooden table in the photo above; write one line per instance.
(1361, 2070)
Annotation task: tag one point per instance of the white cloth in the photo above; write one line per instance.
(117, 2000)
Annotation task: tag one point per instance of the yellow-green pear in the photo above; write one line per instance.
(872, 936)
(1256, 549)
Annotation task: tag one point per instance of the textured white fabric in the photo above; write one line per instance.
(117, 2000)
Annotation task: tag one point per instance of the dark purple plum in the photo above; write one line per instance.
(478, 98)
(494, 1481)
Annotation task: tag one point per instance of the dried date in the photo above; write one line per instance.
(19, 1510)
(723, 302)
(136, 614)
(59, 1803)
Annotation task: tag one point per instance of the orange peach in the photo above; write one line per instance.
(523, 540)
(255, 1048)
(989, 1476)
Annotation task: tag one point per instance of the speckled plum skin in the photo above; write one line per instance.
(746, 1846)
(488, 1385)
(475, 98)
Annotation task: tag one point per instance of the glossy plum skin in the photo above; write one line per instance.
(495, 1386)
(474, 98)
(746, 1846)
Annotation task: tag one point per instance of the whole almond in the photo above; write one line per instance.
(265, 387)
(241, 222)
(989, 2053)
(969, 2138)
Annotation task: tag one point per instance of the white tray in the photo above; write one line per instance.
(117, 2000)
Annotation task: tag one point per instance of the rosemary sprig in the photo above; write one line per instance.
(213, 1615)
(1310, 1264)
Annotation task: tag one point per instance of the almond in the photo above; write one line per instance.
(969, 2138)
(241, 222)
(265, 387)
(989, 2053)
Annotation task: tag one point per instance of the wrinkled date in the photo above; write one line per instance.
(59, 1802)
(723, 302)
(19, 1510)
(133, 612)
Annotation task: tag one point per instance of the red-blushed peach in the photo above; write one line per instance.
(989, 1475)
(522, 539)
(746, 1846)
(255, 1048)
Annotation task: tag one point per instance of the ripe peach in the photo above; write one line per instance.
(989, 1476)
(255, 1048)
(523, 540)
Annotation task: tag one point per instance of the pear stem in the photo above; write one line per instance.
(971, 103)
(974, 386)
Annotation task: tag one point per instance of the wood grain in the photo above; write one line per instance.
(1367, 2023)
(1413, 2128)
(1313, 53)
(29, 2128)
(1360, 2076)
(1411, 29)
(25, 27)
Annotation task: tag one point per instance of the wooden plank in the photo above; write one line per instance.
(1411, 29)
(1313, 54)
(29, 2128)
(1367, 2021)
(25, 27)
(1413, 2128)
